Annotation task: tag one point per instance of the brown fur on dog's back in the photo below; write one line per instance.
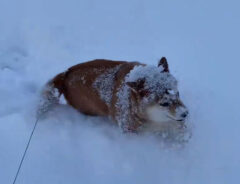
(77, 85)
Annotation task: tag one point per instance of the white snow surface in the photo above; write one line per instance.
(39, 39)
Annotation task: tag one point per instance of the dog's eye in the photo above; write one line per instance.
(166, 104)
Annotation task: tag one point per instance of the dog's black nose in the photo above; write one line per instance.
(184, 115)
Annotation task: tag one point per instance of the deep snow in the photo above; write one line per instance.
(40, 38)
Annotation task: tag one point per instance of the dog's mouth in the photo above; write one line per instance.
(180, 120)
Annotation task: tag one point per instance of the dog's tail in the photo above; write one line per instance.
(51, 93)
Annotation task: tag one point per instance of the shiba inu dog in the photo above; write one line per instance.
(136, 96)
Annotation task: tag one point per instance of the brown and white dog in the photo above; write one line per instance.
(136, 96)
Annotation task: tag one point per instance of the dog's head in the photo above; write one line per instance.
(155, 95)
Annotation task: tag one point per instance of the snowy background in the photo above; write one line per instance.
(39, 38)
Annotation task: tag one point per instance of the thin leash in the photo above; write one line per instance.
(24, 154)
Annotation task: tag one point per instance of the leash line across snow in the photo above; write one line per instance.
(25, 151)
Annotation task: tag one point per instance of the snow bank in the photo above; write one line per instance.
(38, 39)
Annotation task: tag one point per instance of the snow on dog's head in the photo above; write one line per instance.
(156, 94)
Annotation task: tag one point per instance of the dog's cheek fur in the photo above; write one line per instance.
(156, 114)
(172, 109)
(176, 109)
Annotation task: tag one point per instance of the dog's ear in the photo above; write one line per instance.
(136, 86)
(163, 63)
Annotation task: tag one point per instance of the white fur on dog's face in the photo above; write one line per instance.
(158, 114)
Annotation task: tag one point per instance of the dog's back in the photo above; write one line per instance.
(89, 87)
(83, 85)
